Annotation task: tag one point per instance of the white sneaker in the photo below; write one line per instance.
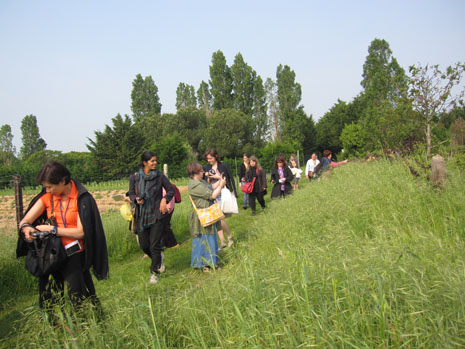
(162, 265)
(154, 278)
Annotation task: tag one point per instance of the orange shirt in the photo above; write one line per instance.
(66, 213)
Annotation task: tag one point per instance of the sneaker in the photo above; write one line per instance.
(253, 213)
(230, 242)
(162, 265)
(154, 278)
(245, 207)
(222, 246)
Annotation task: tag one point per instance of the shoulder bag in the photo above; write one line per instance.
(46, 253)
(248, 187)
(208, 216)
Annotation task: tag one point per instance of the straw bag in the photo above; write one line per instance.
(208, 216)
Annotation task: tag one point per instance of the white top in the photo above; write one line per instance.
(311, 165)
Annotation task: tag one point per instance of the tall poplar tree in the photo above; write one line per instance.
(7, 149)
(32, 142)
(274, 114)
(220, 82)
(204, 98)
(259, 112)
(144, 96)
(243, 79)
(185, 96)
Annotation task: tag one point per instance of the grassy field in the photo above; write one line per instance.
(369, 257)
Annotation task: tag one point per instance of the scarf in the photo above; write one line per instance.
(146, 214)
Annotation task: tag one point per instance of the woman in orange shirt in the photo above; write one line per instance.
(80, 228)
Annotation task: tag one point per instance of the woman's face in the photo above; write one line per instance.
(253, 163)
(314, 156)
(151, 164)
(211, 159)
(199, 175)
(279, 163)
(55, 189)
(245, 158)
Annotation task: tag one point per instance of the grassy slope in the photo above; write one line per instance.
(368, 257)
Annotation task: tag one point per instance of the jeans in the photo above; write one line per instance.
(245, 198)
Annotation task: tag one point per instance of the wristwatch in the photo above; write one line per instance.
(53, 230)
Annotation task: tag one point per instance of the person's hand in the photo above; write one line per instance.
(272, 181)
(306, 176)
(139, 200)
(27, 231)
(163, 207)
(282, 180)
(222, 182)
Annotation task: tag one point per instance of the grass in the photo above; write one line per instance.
(370, 257)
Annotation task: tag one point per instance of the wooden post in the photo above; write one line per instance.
(438, 166)
(165, 169)
(18, 198)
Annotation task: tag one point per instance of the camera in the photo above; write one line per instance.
(212, 172)
(40, 234)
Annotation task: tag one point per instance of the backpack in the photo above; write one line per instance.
(177, 194)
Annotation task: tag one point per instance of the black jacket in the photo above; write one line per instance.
(155, 191)
(276, 191)
(96, 254)
(223, 168)
(260, 182)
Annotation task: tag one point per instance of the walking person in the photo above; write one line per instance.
(204, 254)
(146, 191)
(243, 168)
(80, 228)
(214, 171)
(281, 177)
(312, 163)
(259, 188)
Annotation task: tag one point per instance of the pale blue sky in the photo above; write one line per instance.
(72, 63)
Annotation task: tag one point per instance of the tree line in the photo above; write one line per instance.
(236, 111)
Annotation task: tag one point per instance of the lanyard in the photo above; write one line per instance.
(66, 211)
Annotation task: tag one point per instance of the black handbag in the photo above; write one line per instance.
(46, 253)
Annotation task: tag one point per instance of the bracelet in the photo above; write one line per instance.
(25, 224)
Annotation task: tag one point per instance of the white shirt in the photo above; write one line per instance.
(311, 165)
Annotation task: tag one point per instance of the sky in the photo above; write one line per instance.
(72, 63)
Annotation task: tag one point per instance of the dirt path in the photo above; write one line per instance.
(105, 201)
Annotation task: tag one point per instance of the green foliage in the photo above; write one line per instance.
(117, 149)
(204, 98)
(259, 113)
(7, 149)
(172, 150)
(274, 114)
(191, 124)
(289, 91)
(144, 96)
(243, 80)
(31, 139)
(353, 140)
(185, 96)
(270, 152)
(229, 131)
(220, 82)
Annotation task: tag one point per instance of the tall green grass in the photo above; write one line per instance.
(370, 257)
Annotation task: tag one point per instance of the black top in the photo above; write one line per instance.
(223, 168)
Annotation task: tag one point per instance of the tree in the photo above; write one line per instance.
(191, 124)
(204, 98)
(144, 96)
(7, 149)
(172, 150)
(243, 79)
(220, 82)
(431, 94)
(31, 139)
(185, 96)
(117, 149)
(386, 112)
(259, 113)
(274, 114)
(353, 140)
(229, 131)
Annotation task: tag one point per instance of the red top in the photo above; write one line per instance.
(66, 213)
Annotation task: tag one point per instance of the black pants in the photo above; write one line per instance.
(168, 238)
(260, 199)
(79, 284)
(150, 241)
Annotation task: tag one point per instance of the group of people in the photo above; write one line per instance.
(78, 221)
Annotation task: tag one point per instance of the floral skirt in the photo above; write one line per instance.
(204, 251)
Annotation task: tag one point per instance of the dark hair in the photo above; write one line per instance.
(53, 172)
(193, 168)
(281, 158)
(213, 152)
(326, 153)
(146, 156)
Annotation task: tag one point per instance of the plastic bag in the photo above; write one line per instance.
(126, 212)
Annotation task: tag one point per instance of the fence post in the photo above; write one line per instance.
(438, 166)
(18, 198)
(165, 169)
